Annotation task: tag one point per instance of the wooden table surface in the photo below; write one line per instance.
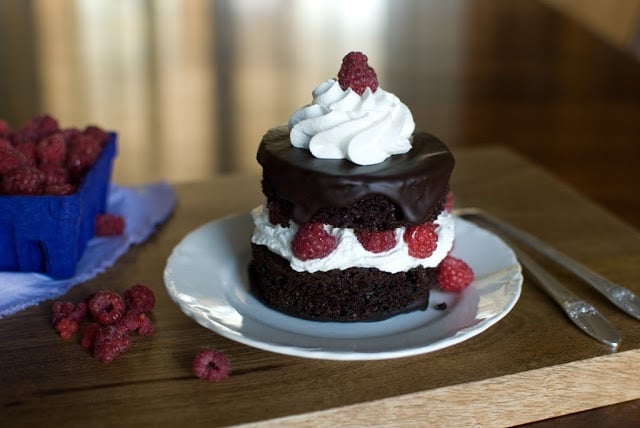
(541, 115)
(532, 365)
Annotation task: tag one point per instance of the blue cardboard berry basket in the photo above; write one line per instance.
(48, 234)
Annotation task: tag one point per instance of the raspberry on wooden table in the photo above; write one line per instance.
(109, 343)
(106, 307)
(212, 365)
(139, 297)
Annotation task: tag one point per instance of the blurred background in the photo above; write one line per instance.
(191, 86)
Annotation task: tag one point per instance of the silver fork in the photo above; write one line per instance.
(581, 313)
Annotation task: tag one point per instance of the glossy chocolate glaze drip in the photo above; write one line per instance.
(415, 181)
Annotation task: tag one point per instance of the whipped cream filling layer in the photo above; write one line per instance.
(350, 252)
(340, 124)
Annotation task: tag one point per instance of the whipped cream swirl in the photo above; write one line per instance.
(340, 124)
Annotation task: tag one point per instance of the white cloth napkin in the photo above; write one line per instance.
(143, 207)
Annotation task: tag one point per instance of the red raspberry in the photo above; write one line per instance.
(10, 158)
(454, 274)
(63, 310)
(52, 150)
(96, 132)
(139, 297)
(356, 74)
(146, 326)
(83, 152)
(135, 320)
(59, 189)
(54, 174)
(109, 225)
(422, 240)
(27, 134)
(70, 133)
(106, 307)
(110, 343)
(5, 129)
(29, 152)
(25, 180)
(210, 364)
(89, 333)
(311, 241)
(377, 242)
(5, 143)
(44, 125)
(130, 321)
(66, 327)
(448, 205)
(78, 164)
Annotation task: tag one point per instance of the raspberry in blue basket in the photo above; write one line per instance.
(52, 150)
(70, 133)
(54, 174)
(28, 134)
(29, 152)
(5, 129)
(25, 180)
(64, 189)
(139, 297)
(10, 158)
(98, 133)
(212, 365)
(106, 307)
(44, 125)
(109, 225)
(83, 151)
(110, 343)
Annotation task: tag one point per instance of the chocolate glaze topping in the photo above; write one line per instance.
(415, 181)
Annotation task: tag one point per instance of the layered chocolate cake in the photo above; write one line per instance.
(354, 225)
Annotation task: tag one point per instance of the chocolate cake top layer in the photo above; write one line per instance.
(416, 181)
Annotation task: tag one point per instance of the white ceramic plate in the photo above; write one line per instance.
(206, 275)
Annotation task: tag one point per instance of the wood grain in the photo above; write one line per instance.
(534, 355)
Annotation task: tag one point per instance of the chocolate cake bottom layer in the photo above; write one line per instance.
(355, 294)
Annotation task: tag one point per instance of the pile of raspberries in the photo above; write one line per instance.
(105, 320)
(42, 159)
